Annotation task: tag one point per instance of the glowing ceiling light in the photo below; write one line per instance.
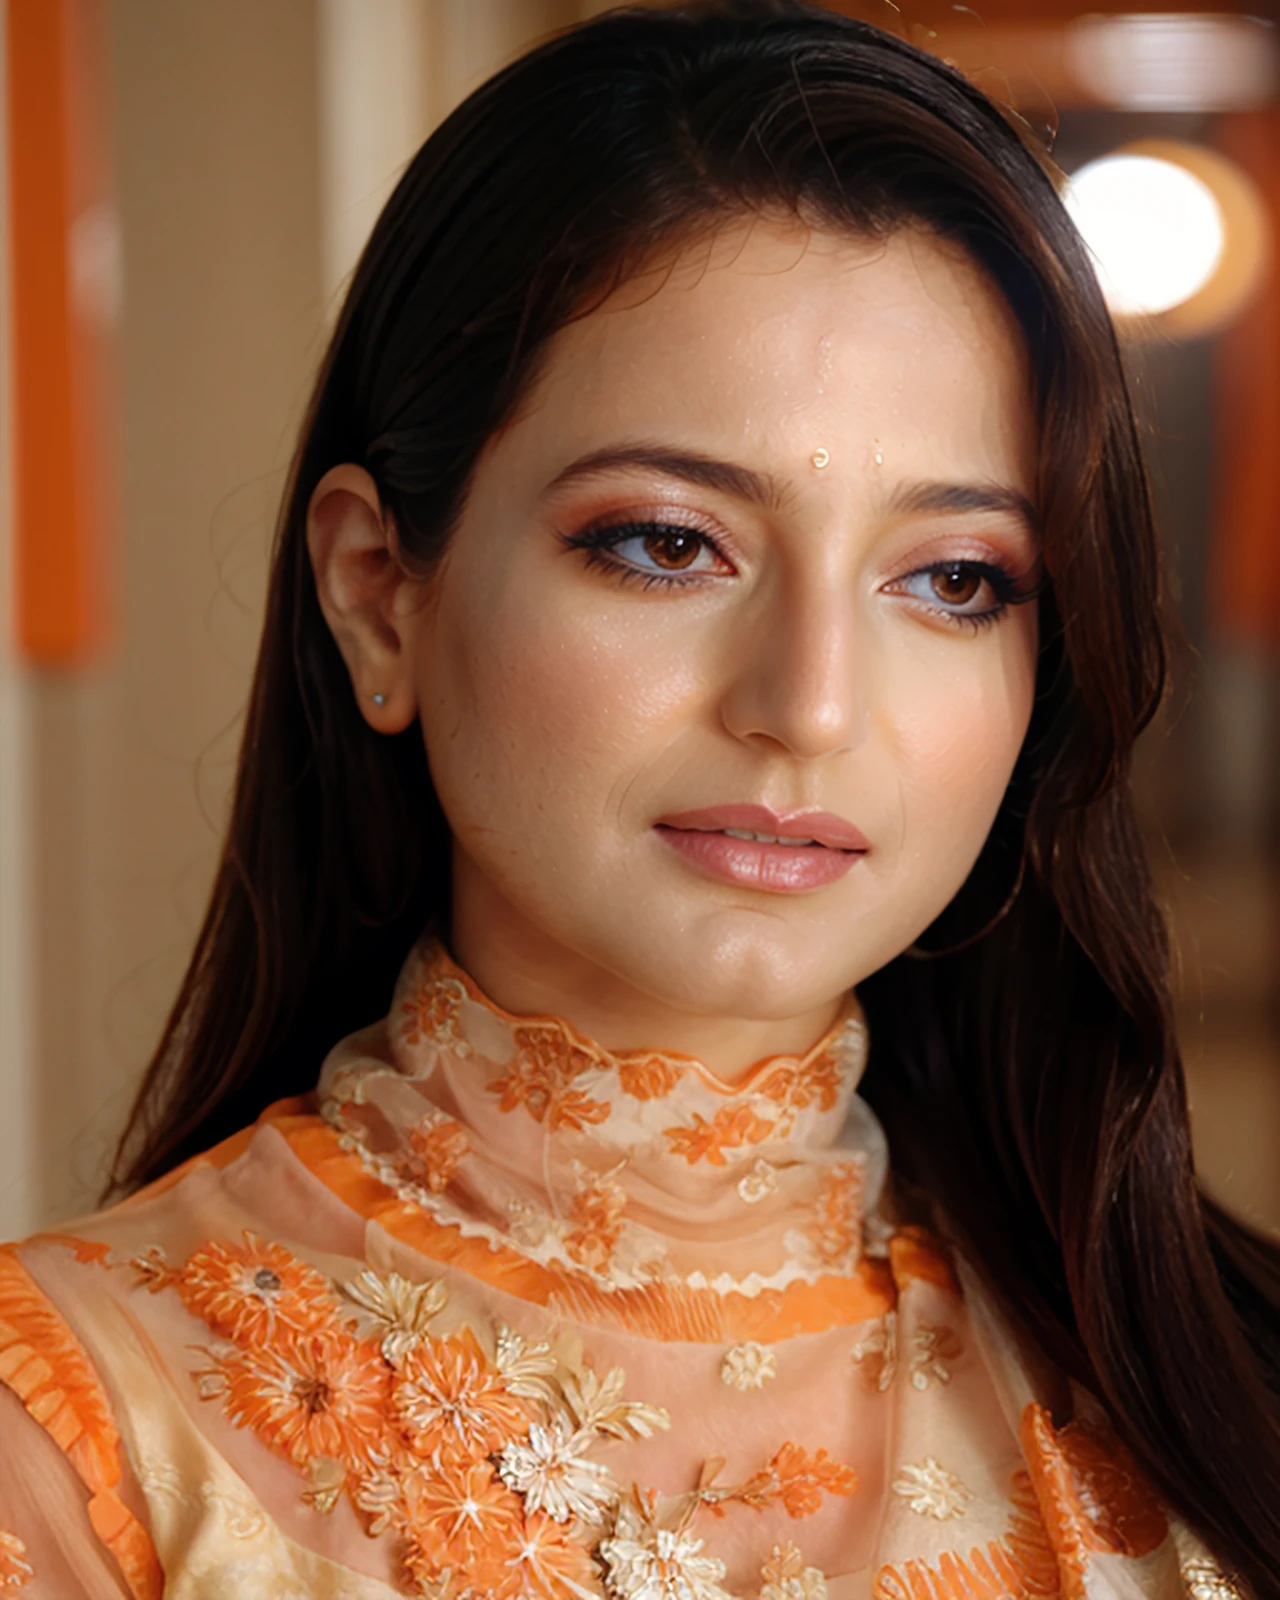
(1155, 230)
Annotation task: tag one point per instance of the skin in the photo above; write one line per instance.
(566, 710)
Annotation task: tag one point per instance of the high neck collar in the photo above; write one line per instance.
(627, 1166)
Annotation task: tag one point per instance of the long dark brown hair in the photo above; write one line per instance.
(1031, 1082)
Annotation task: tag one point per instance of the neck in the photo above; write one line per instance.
(526, 972)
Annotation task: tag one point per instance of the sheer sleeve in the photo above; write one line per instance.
(48, 1547)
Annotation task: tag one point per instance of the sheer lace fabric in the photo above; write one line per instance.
(499, 1312)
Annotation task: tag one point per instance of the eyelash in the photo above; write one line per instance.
(598, 545)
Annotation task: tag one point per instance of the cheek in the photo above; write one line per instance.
(516, 697)
(957, 735)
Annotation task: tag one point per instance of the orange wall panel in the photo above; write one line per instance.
(61, 242)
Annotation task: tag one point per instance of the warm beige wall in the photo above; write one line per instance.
(215, 128)
(248, 147)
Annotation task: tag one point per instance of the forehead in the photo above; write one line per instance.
(777, 338)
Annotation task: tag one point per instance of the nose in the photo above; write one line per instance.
(796, 680)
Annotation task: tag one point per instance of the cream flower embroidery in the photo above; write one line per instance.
(759, 1183)
(785, 1577)
(550, 1472)
(748, 1366)
(16, 1572)
(645, 1562)
(528, 1370)
(932, 1351)
(380, 1497)
(326, 1479)
(597, 1406)
(931, 1491)
(397, 1309)
(876, 1353)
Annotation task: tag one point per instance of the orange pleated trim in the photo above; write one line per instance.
(1092, 1496)
(660, 1311)
(45, 1365)
(699, 1315)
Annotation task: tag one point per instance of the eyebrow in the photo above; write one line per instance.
(930, 496)
(745, 483)
(691, 466)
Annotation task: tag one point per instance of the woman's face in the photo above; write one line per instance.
(750, 543)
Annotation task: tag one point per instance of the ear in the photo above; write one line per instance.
(366, 595)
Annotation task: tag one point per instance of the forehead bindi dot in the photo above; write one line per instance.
(820, 458)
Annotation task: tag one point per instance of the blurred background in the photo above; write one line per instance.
(184, 189)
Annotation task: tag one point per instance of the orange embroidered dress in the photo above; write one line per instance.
(500, 1313)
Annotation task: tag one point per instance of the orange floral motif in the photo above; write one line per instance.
(307, 1395)
(1090, 1489)
(1021, 1566)
(597, 1211)
(437, 1146)
(648, 1077)
(463, 1523)
(245, 1292)
(431, 1013)
(795, 1480)
(16, 1572)
(546, 1563)
(541, 1079)
(836, 1229)
(453, 1405)
(799, 1084)
(732, 1128)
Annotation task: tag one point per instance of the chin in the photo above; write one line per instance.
(739, 963)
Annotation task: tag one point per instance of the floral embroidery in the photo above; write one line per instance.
(759, 1183)
(1205, 1580)
(245, 1292)
(644, 1561)
(432, 1013)
(305, 1395)
(1093, 1494)
(454, 1406)
(548, 1471)
(876, 1353)
(792, 1479)
(733, 1128)
(748, 1366)
(836, 1230)
(648, 1077)
(800, 1084)
(931, 1491)
(785, 1577)
(396, 1309)
(16, 1572)
(597, 1213)
(547, 1563)
(435, 1147)
(463, 1519)
(1020, 1566)
(931, 1349)
(542, 1076)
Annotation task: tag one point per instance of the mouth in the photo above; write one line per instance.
(754, 847)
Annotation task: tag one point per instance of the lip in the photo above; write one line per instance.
(822, 826)
(699, 838)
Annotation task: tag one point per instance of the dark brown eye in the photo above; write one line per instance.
(672, 549)
(955, 585)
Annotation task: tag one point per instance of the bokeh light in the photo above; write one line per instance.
(1155, 230)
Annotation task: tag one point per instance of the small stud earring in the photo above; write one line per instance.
(820, 458)
(379, 699)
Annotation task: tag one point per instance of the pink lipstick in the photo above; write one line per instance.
(743, 844)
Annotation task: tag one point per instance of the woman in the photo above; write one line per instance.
(717, 575)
